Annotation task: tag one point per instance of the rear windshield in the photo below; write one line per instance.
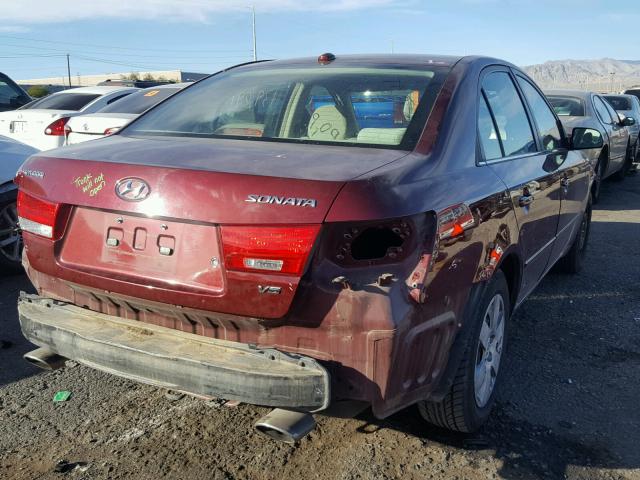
(356, 106)
(619, 103)
(64, 101)
(634, 92)
(140, 101)
(567, 106)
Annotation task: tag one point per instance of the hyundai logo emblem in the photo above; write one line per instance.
(132, 189)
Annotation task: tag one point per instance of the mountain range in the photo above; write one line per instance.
(606, 74)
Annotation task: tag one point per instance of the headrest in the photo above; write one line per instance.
(381, 136)
(327, 123)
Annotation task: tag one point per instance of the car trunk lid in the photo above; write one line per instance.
(92, 126)
(169, 246)
(25, 125)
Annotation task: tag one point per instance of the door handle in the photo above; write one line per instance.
(525, 200)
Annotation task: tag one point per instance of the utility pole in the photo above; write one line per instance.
(612, 76)
(392, 45)
(253, 22)
(68, 70)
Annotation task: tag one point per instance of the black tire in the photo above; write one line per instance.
(10, 253)
(574, 259)
(597, 178)
(459, 410)
(626, 166)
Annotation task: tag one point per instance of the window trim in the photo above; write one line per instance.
(482, 161)
(483, 97)
(593, 100)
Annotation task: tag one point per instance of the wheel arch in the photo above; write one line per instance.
(511, 266)
(604, 158)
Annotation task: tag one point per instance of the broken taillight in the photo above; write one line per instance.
(37, 216)
(268, 249)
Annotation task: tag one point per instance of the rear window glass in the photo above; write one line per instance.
(619, 103)
(64, 101)
(356, 106)
(634, 92)
(140, 101)
(567, 106)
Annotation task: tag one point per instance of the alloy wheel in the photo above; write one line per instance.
(489, 351)
(10, 238)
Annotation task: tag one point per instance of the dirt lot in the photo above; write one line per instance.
(568, 407)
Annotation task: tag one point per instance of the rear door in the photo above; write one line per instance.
(573, 168)
(515, 153)
(617, 135)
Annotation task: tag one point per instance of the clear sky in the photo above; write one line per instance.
(104, 36)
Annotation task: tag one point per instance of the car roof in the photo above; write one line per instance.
(95, 90)
(359, 60)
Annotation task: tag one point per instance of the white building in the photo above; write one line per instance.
(91, 80)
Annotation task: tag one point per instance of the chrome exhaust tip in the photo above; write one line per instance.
(45, 359)
(286, 425)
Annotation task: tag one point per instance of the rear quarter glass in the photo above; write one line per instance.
(350, 106)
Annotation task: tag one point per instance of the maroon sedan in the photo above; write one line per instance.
(323, 234)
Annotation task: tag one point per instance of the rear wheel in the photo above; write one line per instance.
(468, 404)
(574, 258)
(10, 238)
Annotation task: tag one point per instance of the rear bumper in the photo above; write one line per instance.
(172, 359)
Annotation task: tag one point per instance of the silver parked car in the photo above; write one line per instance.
(629, 106)
(12, 155)
(578, 108)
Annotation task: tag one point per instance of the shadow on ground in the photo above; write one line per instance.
(12, 344)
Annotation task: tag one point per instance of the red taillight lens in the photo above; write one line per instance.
(272, 249)
(37, 216)
(111, 131)
(57, 129)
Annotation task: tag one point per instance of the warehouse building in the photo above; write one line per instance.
(91, 80)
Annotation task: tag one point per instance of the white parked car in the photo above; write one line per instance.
(40, 124)
(117, 114)
(12, 155)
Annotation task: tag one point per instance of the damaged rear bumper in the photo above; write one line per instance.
(173, 359)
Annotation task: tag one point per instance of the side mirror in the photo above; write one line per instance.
(628, 121)
(586, 138)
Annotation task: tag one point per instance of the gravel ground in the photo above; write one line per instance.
(567, 407)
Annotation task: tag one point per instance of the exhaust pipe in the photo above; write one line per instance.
(45, 359)
(286, 425)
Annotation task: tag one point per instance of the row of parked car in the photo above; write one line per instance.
(318, 234)
(80, 114)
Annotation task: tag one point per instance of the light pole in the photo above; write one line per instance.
(253, 25)
(68, 70)
(611, 86)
